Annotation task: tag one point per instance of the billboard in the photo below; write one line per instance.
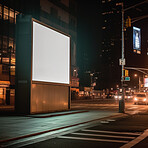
(50, 55)
(145, 82)
(137, 39)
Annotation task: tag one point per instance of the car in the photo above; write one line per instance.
(118, 96)
(140, 99)
(128, 96)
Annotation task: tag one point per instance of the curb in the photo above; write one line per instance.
(54, 115)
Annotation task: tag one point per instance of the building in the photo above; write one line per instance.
(88, 34)
(58, 14)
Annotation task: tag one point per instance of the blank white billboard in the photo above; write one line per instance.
(50, 55)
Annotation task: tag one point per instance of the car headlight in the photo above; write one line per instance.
(116, 97)
(144, 99)
(120, 97)
(135, 99)
(128, 97)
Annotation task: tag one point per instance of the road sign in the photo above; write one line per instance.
(127, 79)
(121, 61)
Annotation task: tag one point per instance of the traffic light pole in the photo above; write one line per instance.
(121, 102)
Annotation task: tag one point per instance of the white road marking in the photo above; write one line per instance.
(104, 122)
(85, 134)
(111, 132)
(111, 120)
(136, 140)
(134, 107)
(92, 139)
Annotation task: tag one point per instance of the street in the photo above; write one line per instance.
(90, 123)
(109, 105)
(117, 132)
(112, 134)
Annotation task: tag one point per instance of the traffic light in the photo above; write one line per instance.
(128, 22)
(126, 73)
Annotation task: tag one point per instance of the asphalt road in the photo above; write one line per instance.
(108, 133)
(113, 133)
(108, 105)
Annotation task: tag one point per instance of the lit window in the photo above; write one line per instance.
(104, 13)
(11, 13)
(12, 70)
(0, 11)
(0, 8)
(112, 44)
(5, 60)
(5, 13)
(13, 59)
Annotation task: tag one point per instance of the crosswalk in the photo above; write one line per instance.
(102, 136)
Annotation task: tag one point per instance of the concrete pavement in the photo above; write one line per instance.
(19, 127)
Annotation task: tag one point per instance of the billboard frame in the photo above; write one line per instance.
(43, 82)
(33, 97)
(136, 50)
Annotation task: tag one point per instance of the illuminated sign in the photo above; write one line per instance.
(145, 82)
(137, 39)
(50, 55)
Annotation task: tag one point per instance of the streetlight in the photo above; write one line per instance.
(139, 82)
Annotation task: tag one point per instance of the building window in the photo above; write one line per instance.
(0, 11)
(12, 13)
(5, 13)
(5, 41)
(103, 27)
(12, 70)
(16, 13)
(5, 69)
(11, 43)
(11, 16)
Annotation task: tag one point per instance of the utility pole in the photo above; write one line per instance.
(121, 102)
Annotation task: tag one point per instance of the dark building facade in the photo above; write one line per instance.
(58, 14)
(88, 35)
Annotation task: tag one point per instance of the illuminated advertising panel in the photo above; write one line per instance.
(137, 39)
(145, 82)
(50, 55)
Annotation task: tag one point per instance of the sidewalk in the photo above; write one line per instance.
(18, 127)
